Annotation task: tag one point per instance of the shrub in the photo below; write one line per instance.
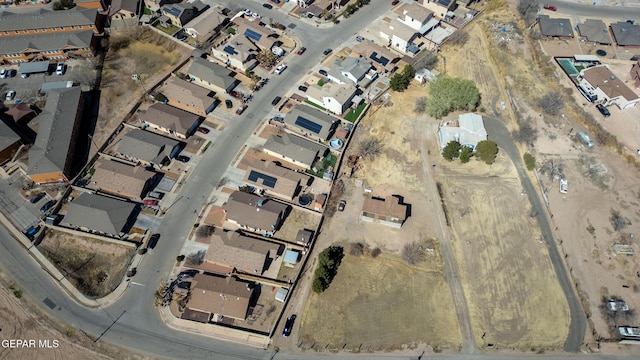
(412, 253)
(451, 150)
(487, 150)
(551, 103)
(449, 94)
(529, 161)
(328, 261)
(465, 154)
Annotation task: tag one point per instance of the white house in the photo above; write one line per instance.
(332, 96)
(399, 35)
(468, 130)
(418, 17)
(350, 69)
(609, 89)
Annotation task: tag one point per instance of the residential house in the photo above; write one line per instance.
(147, 148)
(91, 4)
(125, 13)
(398, 35)
(181, 13)
(382, 59)
(53, 46)
(101, 214)
(388, 211)
(260, 36)
(255, 213)
(190, 97)
(609, 89)
(212, 76)
(207, 25)
(232, 250)
(417, 17)
(51, 158)
(225, 296)
(9, 143)
(169, 120)
(269, 178)
(595, 31)
(294, 149)
(635, 74)
(331, 96)
(555, 27)
(440, 8)
(468, 130)
(123, 180)
(625, 34)
(44, 21)
(351, 69)
(237, 52)
(311, 122)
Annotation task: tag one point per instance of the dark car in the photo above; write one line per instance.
(288, 326)
(327, 51)
(279, 119)
(275, 1)
(183, 158)
(359, 38)
(32, 231)
(268, 6)
(276, 100)
(153, 241)
(603, 110)
(228, 103)
(48, 205)
(341, 205)
(323, 72)
(38, 197)
(188, 274)
(302, 50)
(203, 130)
(395, 2)
(302, 88)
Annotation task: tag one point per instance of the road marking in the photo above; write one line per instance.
(135, 283)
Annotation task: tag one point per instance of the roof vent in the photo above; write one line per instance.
(613, 77)
(261, 202)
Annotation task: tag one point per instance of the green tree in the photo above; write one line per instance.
(328, 261)
(451, 150)
(400, 80)
(465, 154)
(449, 94)
(529, 161)
(487, 150)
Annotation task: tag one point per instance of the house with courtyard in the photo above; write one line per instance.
(388, 211)
(332, 96)
(625, 34)
(206, 25)
(180, 14)
(124, 13)
(147, 148)
(188, 96)
(468, 130)
(609, 88)
(52, 157)
(232, 250)
(440, 8)
(595, 31)
(555, 27)
(255, 213)
(294, 149)
(417, 17)
(311, 122)
(398, 35)
(382, 59)
(350, 70)
(212, 76)
(100, 214)
(120, 179)
(218, 297)
(169, 120)
(269, 178)
(10, 142)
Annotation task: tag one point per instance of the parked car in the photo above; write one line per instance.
(153, 241)
(275, 1)
(155, 194)
(327, 51)
(276, 100)
(302, 50)
(279, 119)
(228, 104)
(150, 202)
(288, 325)
(302, 88)
(395, 2)
(603, 110)
(38, 197)
(341, 205)
(61, 69)
(24, 75)
(241, 109)
(188, 274)
(4, 73)
(359, 38)
(550, 7)
(280, 69)
(323, 72)
(11, 94)
(182, 158)
(268, 6)
(48, 205)
(32, 231)
(203, 130)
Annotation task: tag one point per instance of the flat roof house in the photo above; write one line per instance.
(9, 142)
(170, 120)
(212, 76)
(468, 131)
(215, 295)
(600, 81)
(206, 25)
(336, 98)
(243, 253)
(101, 214)
(147, 148)
(294, 149)
(595, 31)
(51, 158)
(625, 34)
(190, 97)
(311, 122)
(255, 213)
(275, 180)
(386, 211)
(557, 27)
(122, 180)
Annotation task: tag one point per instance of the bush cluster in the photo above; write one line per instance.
(328, 263)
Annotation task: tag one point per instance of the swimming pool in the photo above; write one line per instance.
(568, 67)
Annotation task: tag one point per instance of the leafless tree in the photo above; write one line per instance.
(195, 259)
(412, 253)
(205, 231)
(553, 169)
(160, 296)
(356, 249)
(618, 221)
(370, 147)
(267, 58)
(551, 103)
(526, 133)
(528, 10)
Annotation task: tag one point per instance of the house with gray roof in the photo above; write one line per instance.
(595, 31)
(626, 34)
(468, 130)
(206, 25)
(294, 149)
(122, 180)
(181, 13)
(147, 148)
(47, 21)
(52, 155)
(555, 27)
(246, 254)
(311, 122)
(212, 76)
(351, 69)
(9, 142)
(255, 213)
(124, 13)
(101, 214)
(169, 120)
(54, 46)
(188, 96)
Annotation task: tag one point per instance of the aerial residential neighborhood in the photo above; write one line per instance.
(352, 179)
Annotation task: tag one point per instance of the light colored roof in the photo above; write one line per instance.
(226, 296)
(146, 146)
(555, 26)
(590, 58)
(120, 179)
(46, 42)
(301, 115)
(380, 57)
(99, 213)
(357, 67)
(294, 147)
(254, 211)
(397, 28)
(57, 122)
(237, 47)
(416, 12)
(266, 36)
(469, 131)
(242, 252)
(128, 5)
(601, 77)
(291, 256)
(187, 93)
(390, 206)
(8, 137)
(286, 181)
(206, 22)
(626, 34)
(212, 73)
(169, 117)
(438, 35)
(342, 93)
(595, 31)
(43, 18)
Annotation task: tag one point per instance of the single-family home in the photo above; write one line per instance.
(609, 88)
(417, 17)
(125, 13)
(334, 97)
(294, 149)
(555, 27)
(206, 25)
(595, 31)
(232, 250)
(440, 8)
(147, 148)
(311, 122)
(237, 52)
(188, 96)
(9, 142)
(625, 34)
(224, 296)
(382, 59)
(272, 179)
(388, 211)
(101, 214)
(212, 76)
(52, 156)
(169, 120)
(124, 180)
(260, 36)
(180, 14)
(398, 35)
(45, 21)
(255, 213)
(351, 69)
(468, 130)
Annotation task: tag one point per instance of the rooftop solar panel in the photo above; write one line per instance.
(252, 35)
(230, 50)
(308, 124)
(173, 11)
(267, 180)
(381, 60)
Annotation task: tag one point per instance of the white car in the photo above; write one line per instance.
(280, 69)
(10, 95)
(60, 70)
(4, 73)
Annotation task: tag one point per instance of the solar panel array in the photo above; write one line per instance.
(380, 60)
(172, 10)
(230, 50)
(267, 180)
(308, 124)
(252, 35)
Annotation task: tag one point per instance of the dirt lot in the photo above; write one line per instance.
(94, 267)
